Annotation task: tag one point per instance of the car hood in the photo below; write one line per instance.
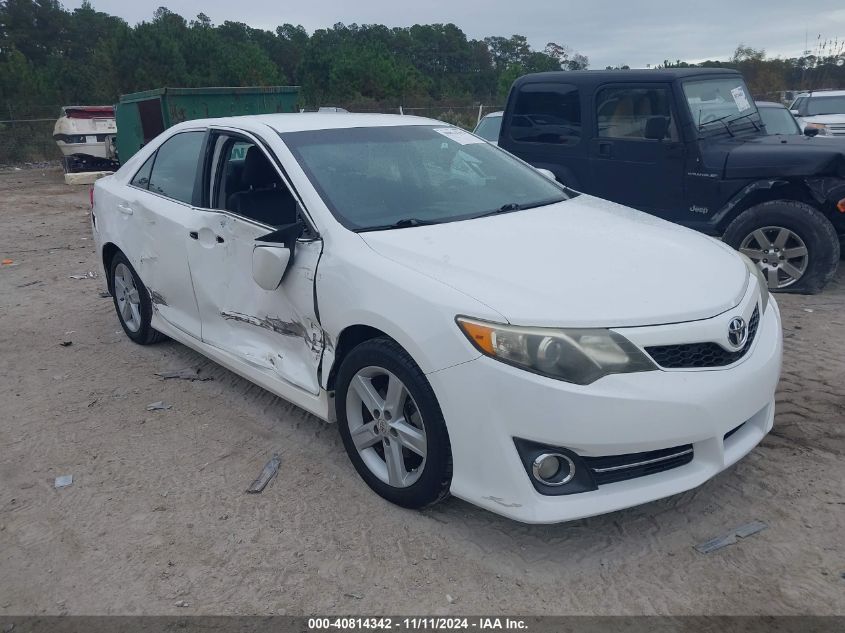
(583, 262)
(774, 156)
(827, 119)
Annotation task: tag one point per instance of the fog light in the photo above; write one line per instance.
(553, 469)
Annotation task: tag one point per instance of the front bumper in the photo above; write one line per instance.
(487, 403)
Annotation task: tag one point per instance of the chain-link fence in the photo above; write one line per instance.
(26, 132)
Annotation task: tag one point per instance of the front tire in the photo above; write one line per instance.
(392, 426)
(132, 302)
(795, 246)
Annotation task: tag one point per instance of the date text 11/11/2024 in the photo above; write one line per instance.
(415, 623)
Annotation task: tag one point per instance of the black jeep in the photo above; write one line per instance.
(688, 145)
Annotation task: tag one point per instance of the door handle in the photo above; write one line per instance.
(125, 209)
(605, 149)
(194, 235)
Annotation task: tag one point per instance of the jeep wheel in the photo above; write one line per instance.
(794, 245)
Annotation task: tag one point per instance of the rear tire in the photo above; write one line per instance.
(407, 429)
(132, 302)
(756, 232)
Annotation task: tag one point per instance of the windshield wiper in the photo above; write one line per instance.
(505, 208)
(514, 206)
(404, 223)
(721, 120)
(728, 123)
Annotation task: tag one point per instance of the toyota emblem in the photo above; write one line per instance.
(737, 332)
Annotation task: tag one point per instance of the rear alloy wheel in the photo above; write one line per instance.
(794, 245)
(132, 302)
(392, 426)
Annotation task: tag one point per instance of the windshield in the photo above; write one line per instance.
(779, 121)
(376, 177)
(723, 99)
(489, 128)
(825, 105)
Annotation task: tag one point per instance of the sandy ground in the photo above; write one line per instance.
(157, 512)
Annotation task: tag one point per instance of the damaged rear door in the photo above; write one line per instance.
(275, 331)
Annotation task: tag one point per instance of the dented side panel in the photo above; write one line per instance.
(275, 331)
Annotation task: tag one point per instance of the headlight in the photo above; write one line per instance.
(821, 127)
(754, 269)
(579, 356)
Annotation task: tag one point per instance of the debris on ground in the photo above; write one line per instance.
(30, 283)
(66, 343)
(269, 471)
(63, 481)
(357, 596)
(810, 310)
(450, 599)
(184, 374)
(8, 262)
(182, 603)
(159, 406)
(104, 295)
(89, 275)
(731, 537)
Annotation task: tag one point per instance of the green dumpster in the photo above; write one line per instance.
(142, 116)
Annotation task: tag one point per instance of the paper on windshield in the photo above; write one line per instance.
(458, 135)
(740, 99)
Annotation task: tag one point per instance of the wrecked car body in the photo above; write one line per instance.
(409, 281)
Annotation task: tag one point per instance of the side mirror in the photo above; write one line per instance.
(269, 264)
(794, 112)
(656, 128)
(547, 173)
(811, 131)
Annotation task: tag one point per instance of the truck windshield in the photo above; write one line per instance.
(374, 178)
(722, 99)
(826, 105)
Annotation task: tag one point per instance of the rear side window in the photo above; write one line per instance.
(142, 178)
(175, 167)
(546, 113)
(623, 112)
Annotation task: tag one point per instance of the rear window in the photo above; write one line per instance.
(489, 127)
(546, 113)
(175, 167)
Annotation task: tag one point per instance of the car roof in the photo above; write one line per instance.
(823, 93)
(306, 121)
(600, 76)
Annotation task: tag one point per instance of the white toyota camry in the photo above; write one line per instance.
(473, 327)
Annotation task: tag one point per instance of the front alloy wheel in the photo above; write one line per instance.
(392, 426)
(780, 253)
(386, 427)
(793, 243)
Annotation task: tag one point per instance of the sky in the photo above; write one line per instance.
(610, 33)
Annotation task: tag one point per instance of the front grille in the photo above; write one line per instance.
(702, 355)
(613, 468)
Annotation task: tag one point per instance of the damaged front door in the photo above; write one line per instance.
(275, 331)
